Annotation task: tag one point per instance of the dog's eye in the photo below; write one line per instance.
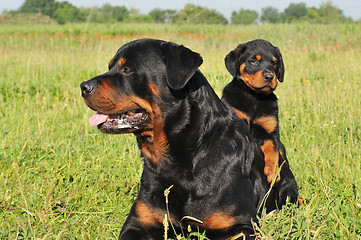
(127, 70)
(254, 62)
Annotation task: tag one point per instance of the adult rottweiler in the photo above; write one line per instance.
(256, 66)
(188, 138)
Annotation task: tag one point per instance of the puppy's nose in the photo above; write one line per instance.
(268, 77)
(87, 88)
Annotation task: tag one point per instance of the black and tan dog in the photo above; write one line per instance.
(188, 138)
(256, 66)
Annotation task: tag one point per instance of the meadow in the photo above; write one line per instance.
(60, 178)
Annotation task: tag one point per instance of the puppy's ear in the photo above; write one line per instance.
(281, 67)
(232, 58)
(181, 63)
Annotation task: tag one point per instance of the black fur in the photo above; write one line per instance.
(190, 140)
(255, 67)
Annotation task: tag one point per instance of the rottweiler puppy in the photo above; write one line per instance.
(189, 139)
(256, 66)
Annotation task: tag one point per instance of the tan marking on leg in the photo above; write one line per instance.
(219, 220)
(148, 216)
(271, 156)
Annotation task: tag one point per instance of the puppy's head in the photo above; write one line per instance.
(258, 64)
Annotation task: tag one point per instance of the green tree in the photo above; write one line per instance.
(312, 16)
(135, 16)
(120, 13)
(164, 16)
(33, 6)
(294, 12)
(197, 15)
(60, 11)
(106, 13)
(45, 7)
(330, 13)
(244, 17)
(326, 13)
(66, 12)
(114, 13)
(270, 15)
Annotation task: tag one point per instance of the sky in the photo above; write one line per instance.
(350, 8)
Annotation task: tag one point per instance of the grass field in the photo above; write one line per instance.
(62, 179)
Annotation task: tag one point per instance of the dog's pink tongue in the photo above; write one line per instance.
(97, 119)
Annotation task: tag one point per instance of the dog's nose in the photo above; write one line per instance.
(86, 88)
(268, 77)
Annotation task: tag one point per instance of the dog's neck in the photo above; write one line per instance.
(191, 115)
(239, 83)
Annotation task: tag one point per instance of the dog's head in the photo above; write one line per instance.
(258, 64)
(129, 97)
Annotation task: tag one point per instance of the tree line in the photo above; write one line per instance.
(64, 12)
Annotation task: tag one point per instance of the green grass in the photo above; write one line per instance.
(62, 179)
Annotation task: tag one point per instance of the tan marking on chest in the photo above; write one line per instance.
(242, 115)
(268, 123)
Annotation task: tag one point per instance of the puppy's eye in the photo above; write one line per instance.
(254, 62)
(127, 70)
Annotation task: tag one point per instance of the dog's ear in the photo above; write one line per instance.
(281, 67)
(181, 63)
(250, 155)
(232, 58)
